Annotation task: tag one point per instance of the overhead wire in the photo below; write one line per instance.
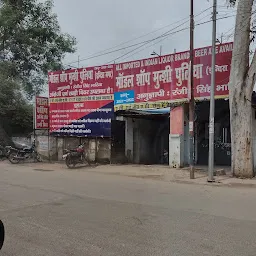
(219, 18)
(143, 43)
(103, 52)
(167, 35)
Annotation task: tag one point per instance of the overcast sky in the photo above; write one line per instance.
(102, 24)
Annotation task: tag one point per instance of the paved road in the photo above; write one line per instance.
(57, 213)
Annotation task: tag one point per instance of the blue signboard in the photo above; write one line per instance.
(94, 124)
(124, 97)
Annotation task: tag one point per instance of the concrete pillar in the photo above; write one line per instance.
(129, 139)
(60, 145)
(176, 137)
(92, 150)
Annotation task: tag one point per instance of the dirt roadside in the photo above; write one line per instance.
(153, 172)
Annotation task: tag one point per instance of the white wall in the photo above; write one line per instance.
(176, 151)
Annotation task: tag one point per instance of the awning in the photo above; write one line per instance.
(146, 113)
(156, 110)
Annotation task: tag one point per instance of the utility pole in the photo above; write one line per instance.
(212, 99)
(192, 100)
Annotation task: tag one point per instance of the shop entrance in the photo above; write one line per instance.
(222, 138)
(147, 136)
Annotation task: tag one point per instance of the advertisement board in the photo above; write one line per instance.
(81, 101)
(160, 81)
(41, 113)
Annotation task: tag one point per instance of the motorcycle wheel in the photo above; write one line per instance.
(37, 158)
(70, 163)
(12, 158)
(86, 160)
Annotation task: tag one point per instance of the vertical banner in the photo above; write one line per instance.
(81, 101)
(41, 113)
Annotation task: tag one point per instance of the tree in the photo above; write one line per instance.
(31, 44)
(16, 113)
(242, 81)
(31, 39)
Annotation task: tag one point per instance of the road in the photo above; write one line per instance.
(63, 212)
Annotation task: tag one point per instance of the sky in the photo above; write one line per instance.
(102, 24)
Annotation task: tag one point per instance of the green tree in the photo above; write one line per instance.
(16, 114)
(31, 39)
(31, 44)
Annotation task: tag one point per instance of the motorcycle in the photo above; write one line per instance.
(6, 151)
(72, 157)
(17, 155)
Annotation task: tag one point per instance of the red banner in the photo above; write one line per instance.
(42, 113)
(81, 101)
(158, 82)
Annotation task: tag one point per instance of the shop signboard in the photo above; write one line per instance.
(161, 81)
(81, 101)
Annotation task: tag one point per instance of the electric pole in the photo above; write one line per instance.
(212, 99)
(192, 100)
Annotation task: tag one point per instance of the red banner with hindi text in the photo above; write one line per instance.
(81, 101)
(41, 113)
(160, 81)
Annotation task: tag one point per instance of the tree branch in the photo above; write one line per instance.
(251, 75)
(252, 68)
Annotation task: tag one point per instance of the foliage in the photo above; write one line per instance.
(31, 39)
(31, 44)
(16, 113)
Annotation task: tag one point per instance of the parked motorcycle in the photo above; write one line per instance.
(6, 151)
(17, 155)
(72, 157)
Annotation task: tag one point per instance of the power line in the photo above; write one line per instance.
(134, 39)
(165, 37)
(161, 40)
(101, 53)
